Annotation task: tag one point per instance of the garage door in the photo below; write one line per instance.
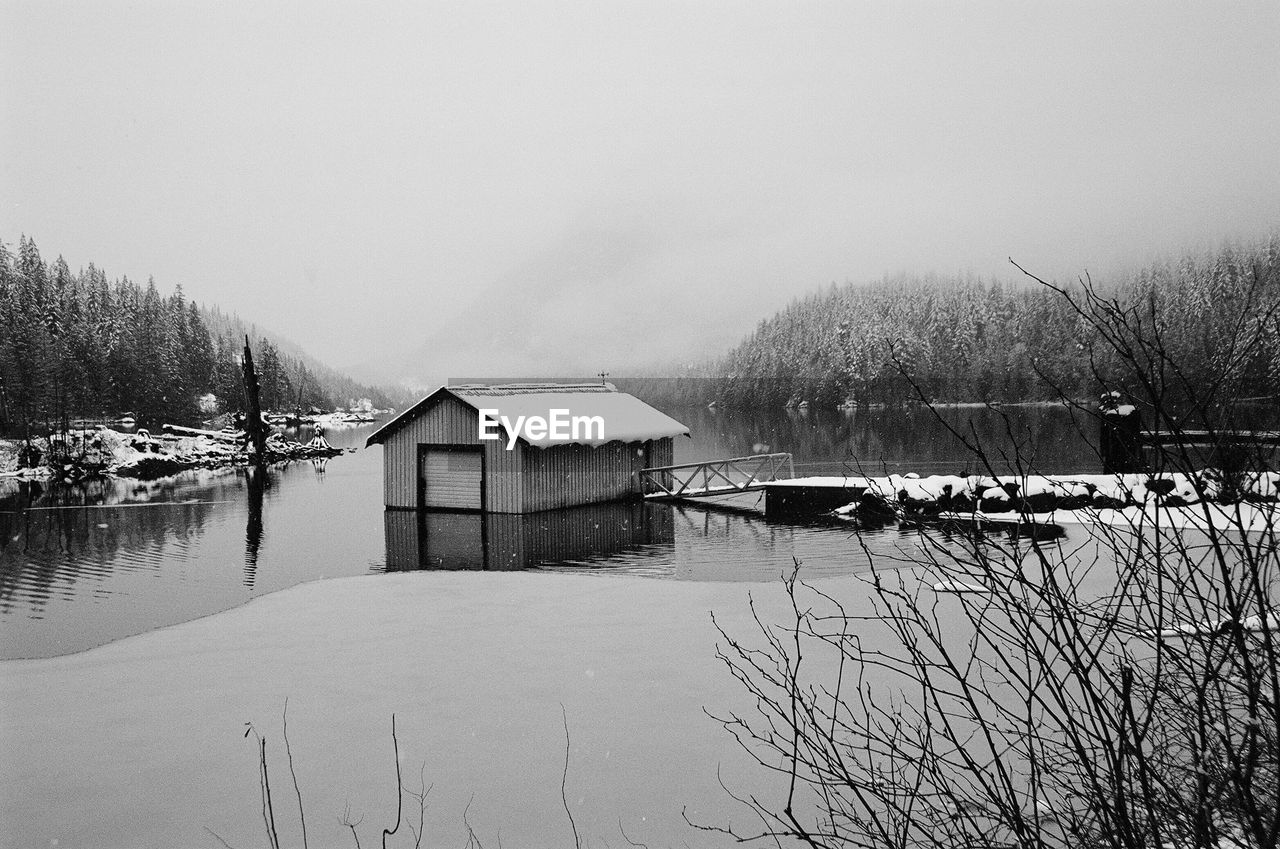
(451, 478)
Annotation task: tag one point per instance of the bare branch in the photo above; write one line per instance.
(564, 778)
(302, 816)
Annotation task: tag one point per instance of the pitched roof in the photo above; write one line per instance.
(625, 418)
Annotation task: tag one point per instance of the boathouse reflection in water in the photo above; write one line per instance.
(426, 539)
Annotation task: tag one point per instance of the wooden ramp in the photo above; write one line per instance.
(715, 477)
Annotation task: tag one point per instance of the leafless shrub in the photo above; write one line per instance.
(347, 822)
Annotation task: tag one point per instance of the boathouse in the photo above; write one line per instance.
(434, 456)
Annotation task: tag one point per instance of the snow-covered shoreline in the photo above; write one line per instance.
(1171, 500)
(82, 453)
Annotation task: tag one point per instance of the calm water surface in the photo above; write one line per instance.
(606, 618)
(82, 566)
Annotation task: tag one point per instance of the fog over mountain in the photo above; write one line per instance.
(604, 299)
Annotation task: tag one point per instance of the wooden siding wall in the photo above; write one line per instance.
(449, 422)
(569, 475)
(401, 530)
(664, 454)
(525, 479)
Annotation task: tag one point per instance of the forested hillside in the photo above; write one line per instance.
(963, 339)
(299, 375)
(76, 344)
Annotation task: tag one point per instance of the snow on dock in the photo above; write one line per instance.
(986, 497)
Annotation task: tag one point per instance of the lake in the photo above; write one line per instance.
(122, 725)
(82, 566)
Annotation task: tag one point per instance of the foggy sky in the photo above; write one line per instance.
(448, 188)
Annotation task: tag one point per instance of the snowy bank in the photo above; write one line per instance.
(139, 743)
(911, 494)
(77, 454)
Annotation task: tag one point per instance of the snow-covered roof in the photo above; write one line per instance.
(487, 390)
(625, 418)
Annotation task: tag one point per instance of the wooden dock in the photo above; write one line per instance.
(1210, 437)
(1012, 494)
(811, 496)
(715, 477)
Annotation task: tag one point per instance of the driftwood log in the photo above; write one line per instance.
(237, 436)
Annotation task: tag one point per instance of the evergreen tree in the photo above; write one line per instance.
(962, 339)
(78, 344)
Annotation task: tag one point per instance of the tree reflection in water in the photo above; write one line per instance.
(259, 480)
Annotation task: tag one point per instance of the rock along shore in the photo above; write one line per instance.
(913, 495)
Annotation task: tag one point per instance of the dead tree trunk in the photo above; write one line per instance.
(254, 428)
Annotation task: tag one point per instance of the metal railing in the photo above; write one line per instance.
(715, 477)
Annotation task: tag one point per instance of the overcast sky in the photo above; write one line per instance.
(513, 187)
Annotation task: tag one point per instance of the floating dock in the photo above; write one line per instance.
(910, 495)
(811, 496)
(914, 495)
(1210, 437)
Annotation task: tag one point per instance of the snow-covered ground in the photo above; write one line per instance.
(1135, 500)
(1125, 488)
(139, 743)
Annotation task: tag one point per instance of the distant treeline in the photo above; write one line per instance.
(320, 385)
(963, 339)
(75, 344)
